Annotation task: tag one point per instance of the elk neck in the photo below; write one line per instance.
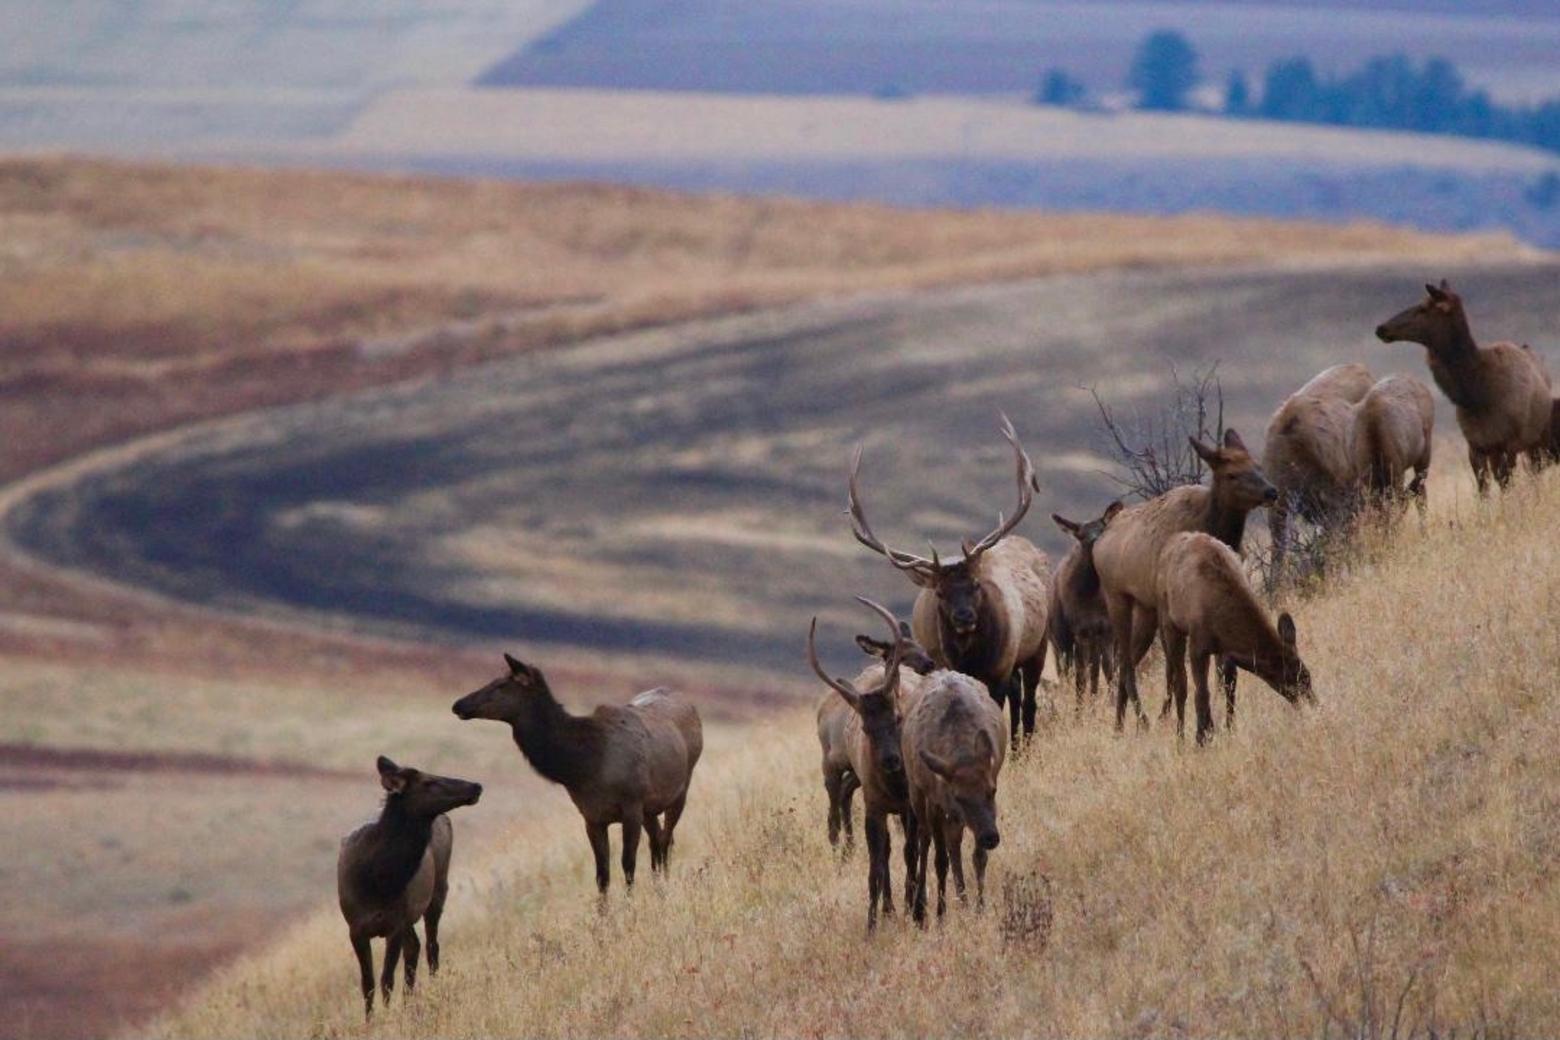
(1455, 364)
(1223, 521)
(563, 748)
(395, 851)
(979, 653)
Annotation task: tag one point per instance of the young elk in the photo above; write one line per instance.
(395, 871)
(1206, 605)
(954, 746)
(1501, 391)
(1308, 450)
(1393, 426)
(870, 734)
(1127, 555)
(836, 719)
(983, 614)
(1079, 627)
(623, 765)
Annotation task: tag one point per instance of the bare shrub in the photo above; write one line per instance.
(1151, 447)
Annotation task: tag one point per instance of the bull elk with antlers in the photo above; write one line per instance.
(983, 614)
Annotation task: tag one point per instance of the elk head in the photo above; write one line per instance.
(1435, 322)
(1088, 533)
(1239, 485)
(424, 795)
(961, 594)
(971, 780)
(506, 698)
(1295, 682)
(912, 655)
(877, 706)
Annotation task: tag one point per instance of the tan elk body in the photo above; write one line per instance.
(1207, 609)
(954, 747)
(1308, 452)
(1393, 428)
(394, 872)
(1501, 391)
(625, 765)
(984, 613)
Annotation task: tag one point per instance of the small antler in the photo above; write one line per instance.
(863, 532)
(840, 686)
(1027, 483)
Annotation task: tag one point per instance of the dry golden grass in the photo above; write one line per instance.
(1381, 865)
(157, 294)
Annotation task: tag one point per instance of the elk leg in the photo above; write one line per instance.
(653, 833)
(1229, 671)
(940, 837)
(1481, 469)
(365, 959)
(848, 788)
(413, 953)
(1175, 674)
(832, 782)
(392, 960)
(912, 851)
(633, 821)
(1145, 625)
(980, 856)
(1201, 659)
(597, 832)
(669, 825)
(877, 845)
(923, 842)
(1120, 610)
(1030, 675)
(431, 926)
(955, 832)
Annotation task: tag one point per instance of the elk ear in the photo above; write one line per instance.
(1434, 293)
(1232, 440)
(391, 776)
(516, 668)
(905, 631)
(1065, 524)
(1111, 511)
(873, 647)
(1207, 454)
(936, 764)
(1286, 629)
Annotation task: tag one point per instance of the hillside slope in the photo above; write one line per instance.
(1384, 863)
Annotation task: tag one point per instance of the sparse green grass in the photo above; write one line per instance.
(1380, 865)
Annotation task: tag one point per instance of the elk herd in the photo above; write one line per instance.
(920, 730)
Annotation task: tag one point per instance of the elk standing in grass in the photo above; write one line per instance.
(395, 871)
(836, 719)
(1393, 426)
(983, 614)
(1308, 451)
(954, 746)
(1126, 556)
(870, 735)
(1206, 606)
(625, 765)
(1079, 626)
(1501, 392)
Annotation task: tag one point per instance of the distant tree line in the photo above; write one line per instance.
(1387, 92)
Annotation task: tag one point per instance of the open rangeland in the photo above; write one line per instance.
(1380, 863)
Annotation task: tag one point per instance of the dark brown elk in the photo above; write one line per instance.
(1079, 626)
(621, 765)
(1393, 426)
(1207, 608)
(1501, 392)
(871, 739)
(1126, 556)
(835, 717)
(394, 872)
(1308, 451)
(954, 746)
(983, 614)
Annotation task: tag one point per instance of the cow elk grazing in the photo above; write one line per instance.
(1079, 627)
(1126, 555)
(1393, 426)
(1501, 392)
(871, 739)
(394, 872)
(625, 765)
(1207, 607)
(954, 746)
(983, 614)
(835, 717)
(1308, 451)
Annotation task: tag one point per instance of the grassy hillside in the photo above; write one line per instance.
(1381, 864)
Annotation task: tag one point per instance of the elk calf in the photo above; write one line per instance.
(621, 765)
(1207, 606)
(395, 871)
(834, 722)
(1501, 391)
(1393, 426)
(1078, 625)
(870, 735)
(983, 614)
(954, 746)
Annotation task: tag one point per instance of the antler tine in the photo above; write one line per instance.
(1028, 483)
(840, 686)
(891, 660)
(863, 531)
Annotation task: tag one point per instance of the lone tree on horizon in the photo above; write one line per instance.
(1164, 71)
